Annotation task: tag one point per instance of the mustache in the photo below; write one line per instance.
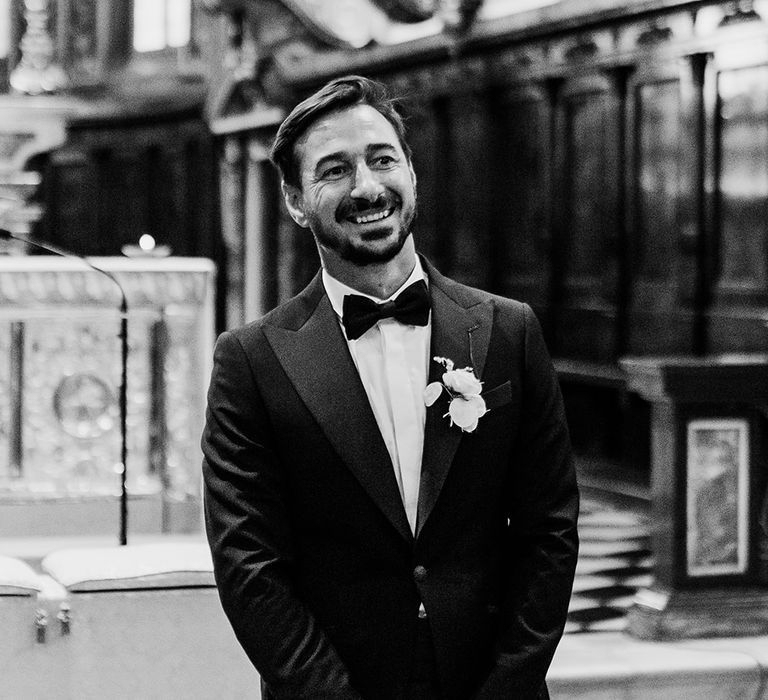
(358, 205)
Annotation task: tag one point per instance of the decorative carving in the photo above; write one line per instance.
(458, 15)
(81, 38)
(655, 34)
(16, 213)
(459, 76)
(581, 51)
(717, 486)
(85, 405)
(408, 10)
(37, 72)
(741, 11)
(68, 371)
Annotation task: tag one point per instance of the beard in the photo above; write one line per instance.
(360, 252)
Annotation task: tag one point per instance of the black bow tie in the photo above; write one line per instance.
(411, 306)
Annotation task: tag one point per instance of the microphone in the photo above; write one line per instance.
(48, 247)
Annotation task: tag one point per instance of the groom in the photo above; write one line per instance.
(367, 545)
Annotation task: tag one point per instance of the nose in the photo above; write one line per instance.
(366, 184)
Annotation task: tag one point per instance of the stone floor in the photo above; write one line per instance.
(614, 666)
(597, 659)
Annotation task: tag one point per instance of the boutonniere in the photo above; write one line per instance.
(465, 406)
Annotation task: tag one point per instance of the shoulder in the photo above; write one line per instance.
(505, 308)
(291, 314)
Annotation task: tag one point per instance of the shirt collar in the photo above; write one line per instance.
(336, 290)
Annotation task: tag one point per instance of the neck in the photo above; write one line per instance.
(380, 280)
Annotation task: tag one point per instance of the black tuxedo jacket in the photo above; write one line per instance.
(317, 568)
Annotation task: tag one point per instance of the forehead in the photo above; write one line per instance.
(349, 130)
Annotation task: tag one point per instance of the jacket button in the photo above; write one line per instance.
(420, 573)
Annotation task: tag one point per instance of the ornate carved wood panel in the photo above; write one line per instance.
(662, 188)
(467, 186)
(110, 184)
(584, 253)
(740, 279)
(575, 164)
(521, 188)
(427, 135)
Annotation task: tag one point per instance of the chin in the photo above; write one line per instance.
(369, 256)
(381, 251)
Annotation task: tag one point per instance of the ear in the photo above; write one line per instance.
(294, 202)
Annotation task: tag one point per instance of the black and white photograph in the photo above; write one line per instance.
(383, 349)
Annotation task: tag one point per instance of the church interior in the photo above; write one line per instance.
(604, 161)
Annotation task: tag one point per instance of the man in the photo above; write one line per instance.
(366, 545)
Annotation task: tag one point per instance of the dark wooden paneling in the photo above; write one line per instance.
(200, 190)
(740, 294)
(110, 184)
(611, 171)
(520, 223)
(585, 254)
(427, 136)
(70, 186)
(662, 177)
(467, 187)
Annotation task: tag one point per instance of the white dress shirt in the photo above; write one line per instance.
(392, 359)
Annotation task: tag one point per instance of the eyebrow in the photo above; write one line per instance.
(338, 155)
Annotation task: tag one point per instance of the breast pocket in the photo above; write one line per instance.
(498, 396)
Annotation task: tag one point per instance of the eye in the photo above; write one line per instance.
(382, 162)
(335, 172)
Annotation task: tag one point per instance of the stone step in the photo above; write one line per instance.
(615, 561)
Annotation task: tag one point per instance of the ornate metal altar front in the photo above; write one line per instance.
(60, 374)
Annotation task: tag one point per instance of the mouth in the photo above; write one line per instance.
(371, 217)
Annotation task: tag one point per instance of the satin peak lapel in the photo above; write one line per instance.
(317, 361)
(452, 327)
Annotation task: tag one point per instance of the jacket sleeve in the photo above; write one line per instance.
(249, 534)
(542, 540)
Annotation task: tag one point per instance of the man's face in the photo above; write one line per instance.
(357, 191)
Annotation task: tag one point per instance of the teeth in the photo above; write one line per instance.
(373, 217)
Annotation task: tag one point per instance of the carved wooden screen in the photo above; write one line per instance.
(427, 136)
(740, 275)
(662, 192)
(267, 257)
(449, 135)
(585, 254)
(467, 180)
(521, 224)
(112, 182)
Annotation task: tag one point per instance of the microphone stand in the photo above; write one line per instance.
(123, 401)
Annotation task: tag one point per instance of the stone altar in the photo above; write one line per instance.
(59, 385)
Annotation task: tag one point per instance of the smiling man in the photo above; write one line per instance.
(390, 497)
(355, 190)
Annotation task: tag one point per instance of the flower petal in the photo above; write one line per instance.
(462, 381)
(432, 393)
(463, 413)
(479, 404)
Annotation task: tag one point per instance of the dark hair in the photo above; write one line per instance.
(343, 92)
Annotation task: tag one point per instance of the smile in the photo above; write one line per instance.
(369, 218)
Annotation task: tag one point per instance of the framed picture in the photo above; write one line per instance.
(717, 496)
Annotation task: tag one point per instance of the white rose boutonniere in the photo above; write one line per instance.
(466, 406)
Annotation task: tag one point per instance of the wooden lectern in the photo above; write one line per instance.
(709, 475)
